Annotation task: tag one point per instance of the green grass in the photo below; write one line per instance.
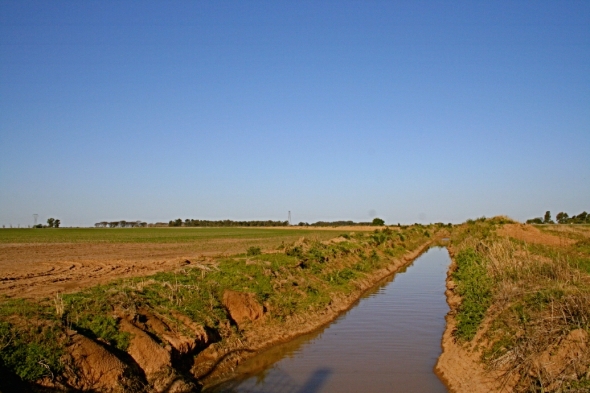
(31, 339)
(152, 235)
(475, 288)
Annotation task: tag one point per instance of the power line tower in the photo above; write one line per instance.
(289, 219)
(35, 216)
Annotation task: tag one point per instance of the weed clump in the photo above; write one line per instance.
(32, 342)
(253, 251)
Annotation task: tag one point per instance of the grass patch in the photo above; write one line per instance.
(155, 235)
(31, 339)
(475, 288)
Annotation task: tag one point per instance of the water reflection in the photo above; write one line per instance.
(277, 381)
(388, 342)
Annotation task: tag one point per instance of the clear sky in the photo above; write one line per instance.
(410, 111)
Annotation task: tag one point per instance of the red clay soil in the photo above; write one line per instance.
(96, 368)
(242, 307)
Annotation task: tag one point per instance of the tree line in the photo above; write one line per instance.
(561, 218)
(376, 221)
(231, 223)
(225, 223)
(267, 223)
(121, 224)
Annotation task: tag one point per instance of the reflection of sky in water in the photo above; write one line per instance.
(388, 342)
(276, 380)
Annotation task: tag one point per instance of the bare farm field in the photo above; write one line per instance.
(41, 262)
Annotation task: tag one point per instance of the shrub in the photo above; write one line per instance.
(378, 222)
(253, 251)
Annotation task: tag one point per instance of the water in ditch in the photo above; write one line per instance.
(388, 342)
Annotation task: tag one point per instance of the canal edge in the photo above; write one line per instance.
(224, 371)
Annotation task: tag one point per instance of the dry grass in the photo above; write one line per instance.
(537, 332)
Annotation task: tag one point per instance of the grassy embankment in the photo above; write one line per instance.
(526, 305)
(296, 281)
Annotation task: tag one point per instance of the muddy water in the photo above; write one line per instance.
(388, 342)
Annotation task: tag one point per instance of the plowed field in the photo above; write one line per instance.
(41, 262)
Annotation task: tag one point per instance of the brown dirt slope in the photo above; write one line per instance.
(96, 368)
(530, 234)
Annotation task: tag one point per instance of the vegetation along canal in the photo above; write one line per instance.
(388, 342)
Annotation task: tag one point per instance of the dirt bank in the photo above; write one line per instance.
(458, 365)
(217, 362)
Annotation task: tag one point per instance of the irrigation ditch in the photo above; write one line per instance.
(518, 295)
(178, 331)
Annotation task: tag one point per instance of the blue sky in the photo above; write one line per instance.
(410, 111)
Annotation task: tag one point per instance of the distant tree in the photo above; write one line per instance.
(175, 223)
(378, 222)
(562, 218)
(536, 220)
(50, 222)
(581, 218)
(56, 223)
(547, 218)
